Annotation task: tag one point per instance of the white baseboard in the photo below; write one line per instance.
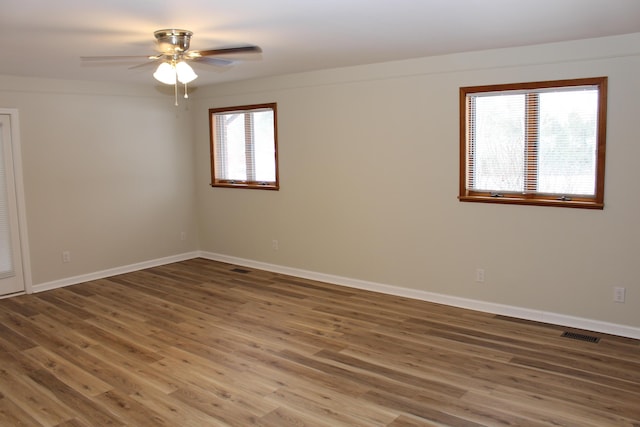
(488, 307)
(113, 272)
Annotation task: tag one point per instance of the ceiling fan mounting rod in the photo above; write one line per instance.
(174, 58)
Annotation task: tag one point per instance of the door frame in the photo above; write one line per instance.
(20, 200)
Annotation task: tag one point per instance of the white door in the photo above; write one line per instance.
(11, 272)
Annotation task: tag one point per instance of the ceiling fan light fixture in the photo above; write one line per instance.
(166, 74)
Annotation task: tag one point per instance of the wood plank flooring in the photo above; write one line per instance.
(203, 343)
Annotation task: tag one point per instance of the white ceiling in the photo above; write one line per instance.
(45, 38)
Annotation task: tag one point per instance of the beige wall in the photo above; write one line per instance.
(108, 174)
(369, 179)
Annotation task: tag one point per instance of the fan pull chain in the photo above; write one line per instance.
(186, 95)
(175, 91)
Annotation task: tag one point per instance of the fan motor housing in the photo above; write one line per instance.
(172, 40)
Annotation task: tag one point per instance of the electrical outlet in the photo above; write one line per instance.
(183, 236)
(275, 245)
(479, 275)
(618, 294)
(66, 256)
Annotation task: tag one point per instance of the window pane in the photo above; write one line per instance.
(6, 252)
(264, 146)
(234, 158)
(498, 121)
(567, 148)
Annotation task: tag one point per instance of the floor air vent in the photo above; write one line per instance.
(580, 337)
(240, 270)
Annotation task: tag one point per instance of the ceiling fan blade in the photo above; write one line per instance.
(118, 58)
(145, 64)
(213, 61)
(230, 50)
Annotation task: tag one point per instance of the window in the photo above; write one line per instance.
(537, 143)
(244, 149)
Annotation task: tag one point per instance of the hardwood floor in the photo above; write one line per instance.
(202, 343)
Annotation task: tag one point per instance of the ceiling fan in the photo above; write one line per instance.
(173, 54)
